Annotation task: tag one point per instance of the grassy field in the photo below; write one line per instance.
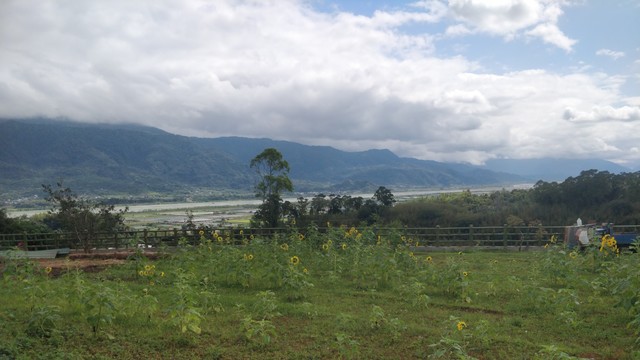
(346, 295)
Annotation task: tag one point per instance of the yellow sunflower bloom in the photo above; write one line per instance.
(295, 260)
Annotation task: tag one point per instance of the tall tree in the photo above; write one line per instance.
(82, 217)
(273, 174)
(384, 197)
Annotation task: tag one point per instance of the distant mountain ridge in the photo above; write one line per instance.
(136, 159)
(552, 169)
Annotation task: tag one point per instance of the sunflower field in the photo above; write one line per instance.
(345, 294)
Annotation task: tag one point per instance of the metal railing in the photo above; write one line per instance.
(479, 236)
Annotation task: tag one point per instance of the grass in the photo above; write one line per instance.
(358, 297)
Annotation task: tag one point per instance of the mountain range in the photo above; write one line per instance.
(132, 159)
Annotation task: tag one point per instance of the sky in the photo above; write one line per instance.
(453, 81)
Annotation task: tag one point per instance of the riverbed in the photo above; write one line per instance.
(235, 211)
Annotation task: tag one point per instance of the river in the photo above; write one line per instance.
(252, 204)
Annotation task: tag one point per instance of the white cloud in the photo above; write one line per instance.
(512, 18)
(604, 113)
(552, 35)
(615, 55)
(280, 69)
(458, 30)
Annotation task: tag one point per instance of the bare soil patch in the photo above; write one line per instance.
(91, 262)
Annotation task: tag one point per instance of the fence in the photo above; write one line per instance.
(485, 236)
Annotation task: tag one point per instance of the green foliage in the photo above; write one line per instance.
(600, 196)
(9, 225)
(348, 347)
(384, 197)
(82, 217)
(369, 299)
(44, 321)
(99, 307)
(273, 172)
(184, 312)
(259, 333)
(265, 306)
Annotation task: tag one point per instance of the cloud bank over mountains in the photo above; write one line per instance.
(287, 70)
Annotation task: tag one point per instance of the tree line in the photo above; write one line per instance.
(593, 196)
(273, 179)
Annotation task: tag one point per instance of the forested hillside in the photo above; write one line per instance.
(593, 196)
(107, 159)
(104, 158)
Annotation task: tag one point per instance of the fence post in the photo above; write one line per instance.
(470, 233)
(437, 235)
(504, 235)
(144, 238)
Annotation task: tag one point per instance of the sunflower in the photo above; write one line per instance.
(284, 247)
(295, 260)
(461, 325)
